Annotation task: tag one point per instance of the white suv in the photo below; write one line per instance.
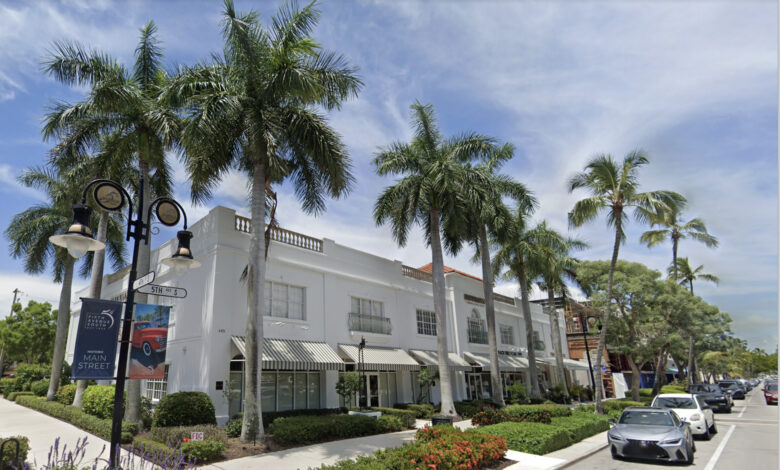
(691, 409)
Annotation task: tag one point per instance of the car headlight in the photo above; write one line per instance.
(616, 437)
(157, 338)
(695, 417)
(672, 442)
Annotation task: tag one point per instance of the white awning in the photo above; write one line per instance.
(431, 359)
(570, 364)
(378, 358)
(506, 363)
(294, 354)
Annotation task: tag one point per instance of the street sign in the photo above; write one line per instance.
(142, 281)
(165, 291)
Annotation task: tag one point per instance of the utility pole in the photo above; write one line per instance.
(2, 348)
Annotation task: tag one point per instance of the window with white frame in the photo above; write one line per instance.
(426, 322)
(284, 300)
(507, 334)
(368, 307)
(156, 389)
(477, 328)
(538, 343)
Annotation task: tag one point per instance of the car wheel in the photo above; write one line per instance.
(689, 460)
(728, 410)
(693, 445)
(706, 436)
(147, 349)
(713, 428)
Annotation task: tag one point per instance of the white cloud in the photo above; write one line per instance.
(37, 288)
(10, 184)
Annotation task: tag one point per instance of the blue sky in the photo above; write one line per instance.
(694, 84)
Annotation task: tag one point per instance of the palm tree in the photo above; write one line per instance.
(253, 109)
(432, 175)
(524, 251)
(126, 105)
(675, 230)
(559, 268)
(488, 215)
(614, 187)
(29, 233)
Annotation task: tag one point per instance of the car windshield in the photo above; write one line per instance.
(674, 402)
(705, 388)
(144, 325)
(648, 418)
(729, 385)
(772, 387)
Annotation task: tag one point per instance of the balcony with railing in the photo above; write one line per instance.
(282, 235)
(477, 332)
(370, 324)
(415, 273)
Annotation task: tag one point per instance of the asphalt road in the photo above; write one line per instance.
(746, 439)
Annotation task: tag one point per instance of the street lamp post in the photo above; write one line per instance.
(78, 239)
(583, 327)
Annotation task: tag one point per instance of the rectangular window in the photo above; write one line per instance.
(538, 343)
(284, 300)
(314, 390)
(268, 391)
(285, 391)
(507, 334)
(156, 389)
(426, 323)
(393, 392)
(477, 331)
(368, 307)
(300, 390)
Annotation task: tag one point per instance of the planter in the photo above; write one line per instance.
(437, 420)
(373, 414)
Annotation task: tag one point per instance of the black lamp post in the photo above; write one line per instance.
(78, 239)
(584, 328)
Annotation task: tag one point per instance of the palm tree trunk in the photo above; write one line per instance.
(133, 406)
(63, 317)
(690, 284)
(252, 429)
(95, 288)
(636, 378)
(534, 391)
(674, 256)
(607, 312)
(440, 308)
(556, 339)
(490, 314)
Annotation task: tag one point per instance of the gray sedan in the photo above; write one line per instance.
(652, 434)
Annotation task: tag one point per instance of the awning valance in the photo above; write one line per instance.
(377, 358)
(506, 363)
(431, 359)
(570, 364)
(294, 354)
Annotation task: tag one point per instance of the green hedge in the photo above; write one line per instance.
(75, 416)
(160, 452)
(12, 396)
(423, 410)
(582, 425)
(66, 394)
(468, 409)
(610, 405)
(389, 423)
(171, 436)
(532, 438)
(310, 429)
(184, 409)
(40, 387)
(8, 454)
(270, 416)
(203, 451)
(26, 374)
(531, 412)
(98, 400)
(408, 417)
(7, 385)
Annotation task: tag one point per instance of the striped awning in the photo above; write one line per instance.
(431, 359)
(378, 358)
(506, 363)
(294, 354)
(570, 364)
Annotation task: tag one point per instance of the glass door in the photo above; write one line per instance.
(474, 386)
(373, 389)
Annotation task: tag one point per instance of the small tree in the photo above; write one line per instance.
(348, 386)
(424, 379)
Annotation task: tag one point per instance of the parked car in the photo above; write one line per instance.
(651, 434)
(692, 409)
(736, 389)
(714, 396)
(770, 393)
(149, 338)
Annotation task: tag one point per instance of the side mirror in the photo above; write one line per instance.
(612, 421)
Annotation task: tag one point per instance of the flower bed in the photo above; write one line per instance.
(439, 447)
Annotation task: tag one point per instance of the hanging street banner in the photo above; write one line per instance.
(149, 342)
(94, 356)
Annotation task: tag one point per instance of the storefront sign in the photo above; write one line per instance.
(196, 436)
(94, 355)
(149, 342)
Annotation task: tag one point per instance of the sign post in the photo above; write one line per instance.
(142, 281)
(165, 291)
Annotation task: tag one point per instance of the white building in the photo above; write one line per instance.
(321, 299)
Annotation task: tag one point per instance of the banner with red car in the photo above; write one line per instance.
(149, 342)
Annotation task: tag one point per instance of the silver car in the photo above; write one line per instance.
(651, 434)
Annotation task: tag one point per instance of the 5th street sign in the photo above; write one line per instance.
(142, 281)
(165, 291)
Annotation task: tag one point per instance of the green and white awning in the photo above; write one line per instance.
(290, 354)
(431, 359)
(378, 358)
(570, 364)
(506, 363)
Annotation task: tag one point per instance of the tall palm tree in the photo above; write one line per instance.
(253, 109)
(614, 188)
(559, 268)
(126, 105)
(28, 234)
(428, 193)
(523, 252)
(484, 192)
(676, 230)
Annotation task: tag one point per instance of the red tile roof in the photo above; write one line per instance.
(428, 268)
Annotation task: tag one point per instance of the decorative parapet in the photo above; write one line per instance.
(281, 235)
(414, 273)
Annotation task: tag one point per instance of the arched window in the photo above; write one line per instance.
(477, 328)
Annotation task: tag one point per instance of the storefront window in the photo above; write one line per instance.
(391, 386)
(314, 390)
(285, 391)
(300, 390)
(383, 393)
(268, 392)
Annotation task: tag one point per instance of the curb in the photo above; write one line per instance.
(584, 456)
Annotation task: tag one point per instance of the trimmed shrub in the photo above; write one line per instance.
(610, 405)
(532, 438)
(203, 451)
(582, 425)
(26, 374)
(517, 393)
(66, 394)
(184, 409)
(388, 423)
(488, 417)
(310, 429)
(407, 417)
(423, 410)
(270, 417)
(12, 396)
(40, 387)
(173, 435)
(7, 385)
(233, 427)
(98, 400)
(8, 453)
(537, 413)
(468, 409)
(556, 395)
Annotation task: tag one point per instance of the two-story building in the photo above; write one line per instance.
(321, 299)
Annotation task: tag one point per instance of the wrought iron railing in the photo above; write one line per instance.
(477, 332)
(370, 323)
(282, 235)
